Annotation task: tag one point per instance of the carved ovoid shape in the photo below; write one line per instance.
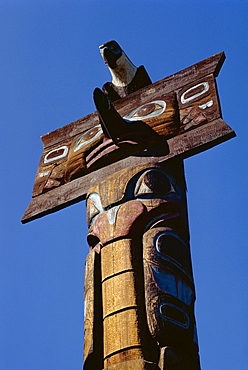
(148, 110)
(138, 229)
(82, 154)
(182, 110)
(194, 104)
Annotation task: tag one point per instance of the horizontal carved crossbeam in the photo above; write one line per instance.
(183, 110)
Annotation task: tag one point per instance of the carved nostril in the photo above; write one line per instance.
(93, 241)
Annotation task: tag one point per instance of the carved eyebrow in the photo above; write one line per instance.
(95, 198)
(94, 208)
(153, 181)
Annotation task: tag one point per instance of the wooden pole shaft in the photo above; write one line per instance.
(138, 227)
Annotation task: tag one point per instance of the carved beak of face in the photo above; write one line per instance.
(109, 58)
(102, 49)
(94, 243)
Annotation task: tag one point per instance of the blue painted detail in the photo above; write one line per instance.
(195, 337)
(171, 285)
(165, 281)
(113, 46)
(185, 293)
(174, 314)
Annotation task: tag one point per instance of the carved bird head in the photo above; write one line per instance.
(111, 52)
(120, 66)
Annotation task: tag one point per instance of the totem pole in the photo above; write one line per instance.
(127, 160)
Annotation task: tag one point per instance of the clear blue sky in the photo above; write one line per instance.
(49, 66)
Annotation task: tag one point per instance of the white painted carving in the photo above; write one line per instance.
(96, 200)
(155, 113)
(207, 105)
(205, 89)
(112, 212)
(52, 159)
(93, 134)
(43, 174)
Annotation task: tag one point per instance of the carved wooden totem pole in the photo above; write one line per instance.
(127, 160)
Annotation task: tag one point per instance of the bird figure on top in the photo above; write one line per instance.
(126, 77)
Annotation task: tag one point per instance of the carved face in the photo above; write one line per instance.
(147, 205)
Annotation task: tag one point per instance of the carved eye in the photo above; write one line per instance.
(153, 182)
(114, 47)
(88, 137)
(56, 154)
(94, 207)
(148, 110)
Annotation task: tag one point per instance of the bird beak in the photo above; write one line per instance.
(102, 52)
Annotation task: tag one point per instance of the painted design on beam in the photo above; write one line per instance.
(192, 106)
(148, 110)
(178, 115)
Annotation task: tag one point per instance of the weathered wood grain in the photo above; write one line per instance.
(93, 327)
(72, 155)
(64, 175)
(126, 323)
(165, 85)
(162, 117)
(185, 145)
(122, 259)
(133, 364)
(138, 216)
(120, 307)
(89, 304)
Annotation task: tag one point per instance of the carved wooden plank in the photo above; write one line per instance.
(69, 156)
(70, 130)
(186, 145)
(165, 85)
(182, 109)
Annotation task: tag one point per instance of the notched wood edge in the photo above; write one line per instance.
(184, 145)
(198, 70)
